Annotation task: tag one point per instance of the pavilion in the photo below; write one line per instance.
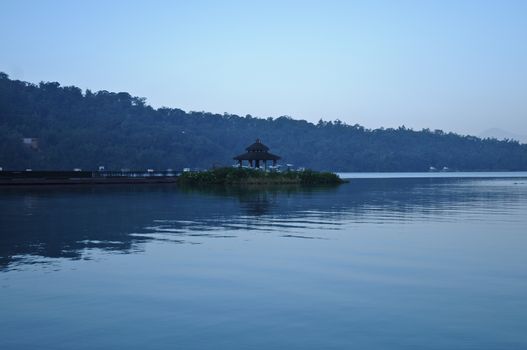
(256, 153)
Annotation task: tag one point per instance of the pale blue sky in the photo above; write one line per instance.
(454, 65)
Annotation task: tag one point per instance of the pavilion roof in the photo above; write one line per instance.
(257, 147)
(257, 151)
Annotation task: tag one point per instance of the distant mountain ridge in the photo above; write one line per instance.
(501, 134)
(66, 128)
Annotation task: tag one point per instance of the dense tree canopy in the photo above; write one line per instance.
(77, 129)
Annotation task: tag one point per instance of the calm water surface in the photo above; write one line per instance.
(379, 263)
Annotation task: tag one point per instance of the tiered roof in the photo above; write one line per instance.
(257, 151)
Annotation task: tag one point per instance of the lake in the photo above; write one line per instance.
(383, 262)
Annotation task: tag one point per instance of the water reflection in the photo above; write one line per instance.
(69, 222)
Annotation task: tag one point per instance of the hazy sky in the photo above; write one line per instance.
(454, 65)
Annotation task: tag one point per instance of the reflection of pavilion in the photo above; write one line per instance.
(255, 153)
(258, 204)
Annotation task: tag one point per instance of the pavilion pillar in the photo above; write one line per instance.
(257, 163)
(274, 162)
(240, 163)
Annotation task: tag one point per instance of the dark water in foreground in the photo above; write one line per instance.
(414, 263)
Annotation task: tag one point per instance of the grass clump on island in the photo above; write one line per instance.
(246, 176)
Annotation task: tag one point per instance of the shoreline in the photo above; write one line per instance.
(213, 177)
(81, 182)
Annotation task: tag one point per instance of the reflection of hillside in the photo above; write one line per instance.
(65, 222)
(55, 223)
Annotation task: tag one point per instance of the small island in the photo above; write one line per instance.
(257, 172)
(250, 176)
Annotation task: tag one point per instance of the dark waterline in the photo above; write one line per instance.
(436, 174)
(393, 263)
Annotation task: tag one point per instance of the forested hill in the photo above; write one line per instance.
(77, 129)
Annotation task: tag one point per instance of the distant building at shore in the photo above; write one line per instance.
(30, 142)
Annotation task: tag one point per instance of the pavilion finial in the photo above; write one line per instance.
(257, 140)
